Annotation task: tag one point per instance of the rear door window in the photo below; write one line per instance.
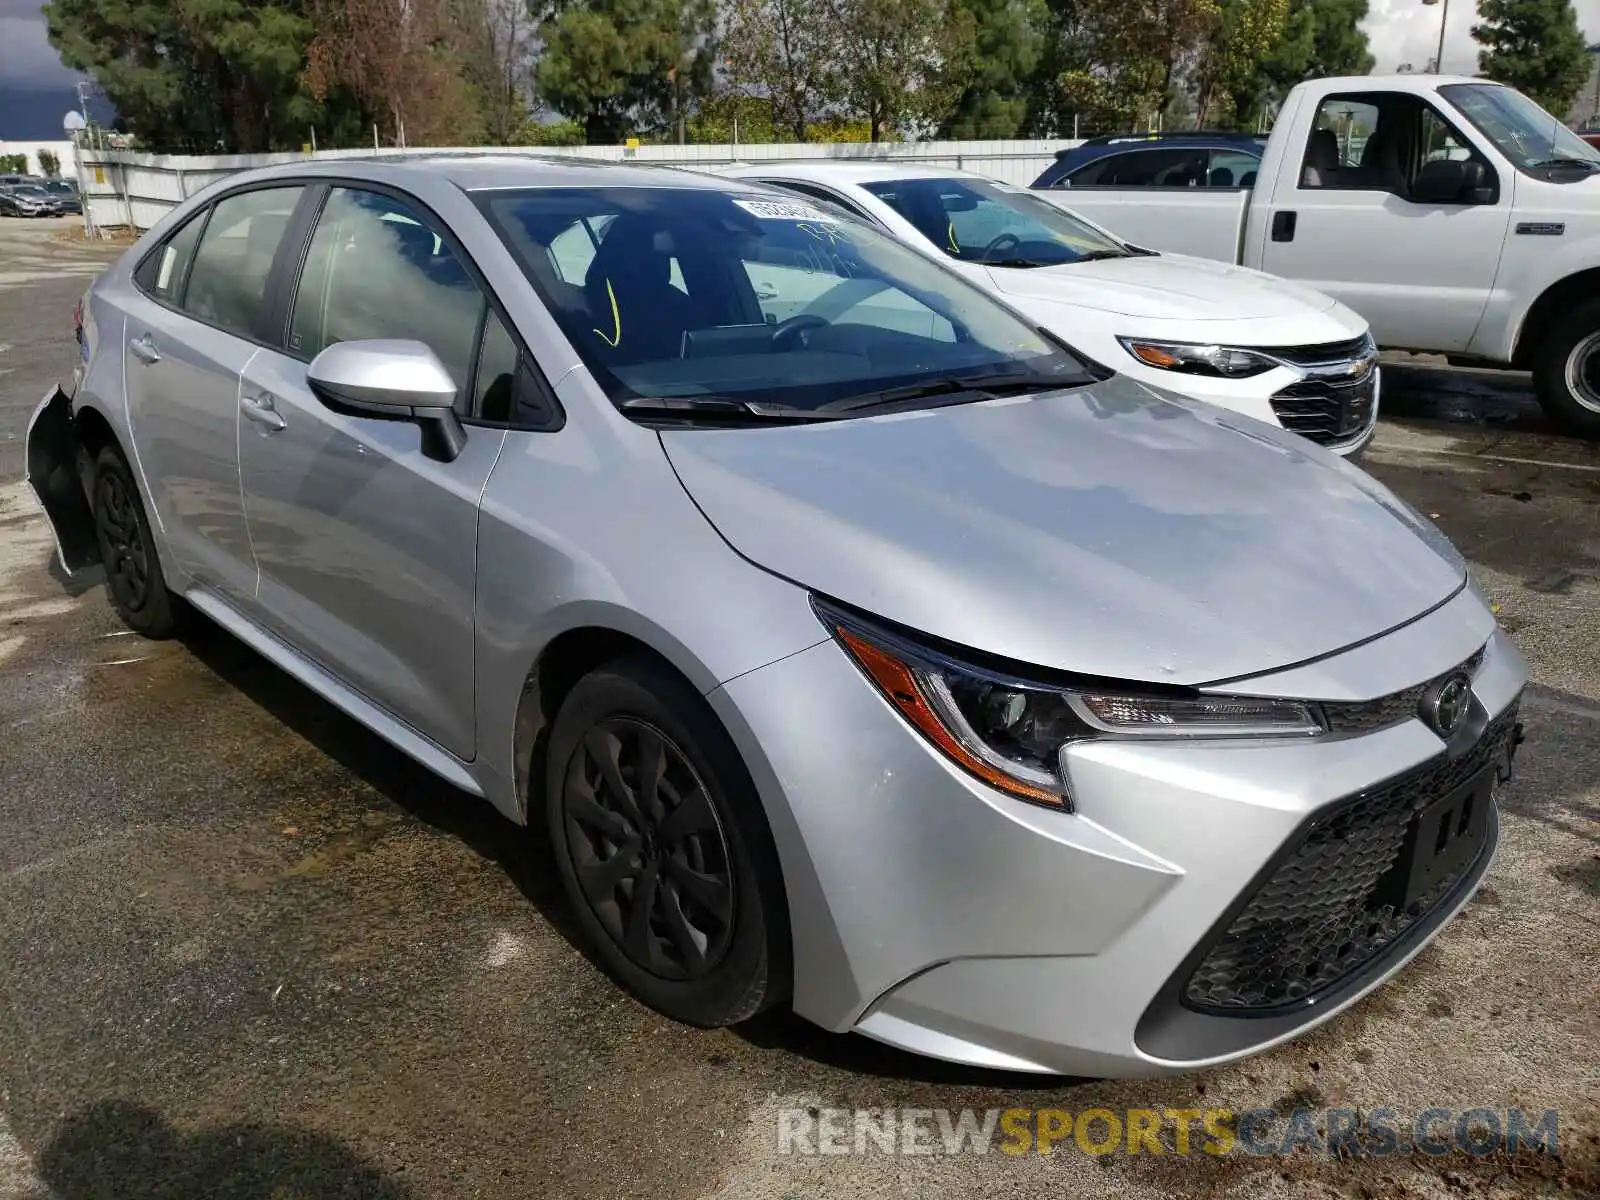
(1232, 168)
(1180, 166)
(228, 281)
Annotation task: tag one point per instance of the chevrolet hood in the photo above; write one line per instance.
(1106, 530)
(1166, 287)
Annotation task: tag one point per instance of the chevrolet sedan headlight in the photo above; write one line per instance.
(1010, 731)
(1223, 362)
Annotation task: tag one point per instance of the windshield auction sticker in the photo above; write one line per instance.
(782, 210)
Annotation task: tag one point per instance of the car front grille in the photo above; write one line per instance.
(1327, 410)
(1366, 716)
(1322, 353)
(1327, 910)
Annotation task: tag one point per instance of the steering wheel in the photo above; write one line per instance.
(1008, 240)
(787, 334)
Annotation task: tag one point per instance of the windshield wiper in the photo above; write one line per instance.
(720, 408)
(950, 390)
(1560, 161)
(1099, 255)
(1025, 262)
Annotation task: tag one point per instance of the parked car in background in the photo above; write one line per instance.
(859, 648)
(1190, 159)
(66, 194)
(28, 200)
(1269, 349)
(1454, 214)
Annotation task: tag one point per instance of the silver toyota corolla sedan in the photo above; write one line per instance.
(859, 646)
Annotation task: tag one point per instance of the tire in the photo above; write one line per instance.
(134, 583)
(1566, 372)
(710, 947)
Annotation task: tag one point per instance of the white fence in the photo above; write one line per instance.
(127, 189)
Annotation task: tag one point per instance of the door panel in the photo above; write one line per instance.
(183, 404)
(367, 549)
(1421, 274)
(182, 373)
(1205, 222)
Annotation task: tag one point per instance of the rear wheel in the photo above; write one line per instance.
(662, 846)
(1567, 371)
(134, 582)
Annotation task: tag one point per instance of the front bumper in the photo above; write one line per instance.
(934, 914)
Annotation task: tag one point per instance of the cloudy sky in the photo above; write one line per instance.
(35, 89)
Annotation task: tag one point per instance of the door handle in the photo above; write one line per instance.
(1283, 224)
(261, 409)
(144, 349)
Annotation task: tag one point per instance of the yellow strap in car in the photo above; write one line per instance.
(950, 232)
(615, 338)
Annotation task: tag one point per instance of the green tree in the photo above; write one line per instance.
(49, 163)
(1320, 38)
(787, 50)
(618, 66)
(902, 63)
(1535, 46)
(1009, 42)
(1245, 33)
(1131, 57)
(13, 164)
(201, 75)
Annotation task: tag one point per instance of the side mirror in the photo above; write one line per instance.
(1453, 181)
(1476, 186)
(392, 380)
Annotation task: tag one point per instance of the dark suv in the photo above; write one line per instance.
(1199, 159)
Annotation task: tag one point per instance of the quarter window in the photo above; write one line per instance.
(162, 272)
(376, 269)
(228, 281)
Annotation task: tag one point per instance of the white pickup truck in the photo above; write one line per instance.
(1454, 214)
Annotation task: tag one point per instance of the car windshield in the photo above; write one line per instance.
(1525, 133)
(29, 191)
(978, 221)
(739, 299)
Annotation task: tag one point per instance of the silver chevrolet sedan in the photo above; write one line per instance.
(858, 646)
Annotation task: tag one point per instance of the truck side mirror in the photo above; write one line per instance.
(1453, 181)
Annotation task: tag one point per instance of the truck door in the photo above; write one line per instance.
(1368, 210)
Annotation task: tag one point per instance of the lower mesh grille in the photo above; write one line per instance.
(1326, 411)
(1322, 914)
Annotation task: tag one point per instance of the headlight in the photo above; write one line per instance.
(1223, 362)
(1010, 732)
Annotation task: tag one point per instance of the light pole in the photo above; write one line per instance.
(1444, 20)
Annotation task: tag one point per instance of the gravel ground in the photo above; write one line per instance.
(249, 951)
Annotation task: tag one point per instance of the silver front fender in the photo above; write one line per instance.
(52, 472)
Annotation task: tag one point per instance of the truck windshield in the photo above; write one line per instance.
(982, 222)
(725, 301)
(1527, 135)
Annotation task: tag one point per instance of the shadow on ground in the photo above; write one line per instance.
(121, 1151)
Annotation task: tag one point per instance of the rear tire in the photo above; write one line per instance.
(1566, 372)
(134, 582)
(663, 848)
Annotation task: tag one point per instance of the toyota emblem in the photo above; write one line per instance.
(1444, 705)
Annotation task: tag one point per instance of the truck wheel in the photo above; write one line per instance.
(1566, 372)
(134, 582)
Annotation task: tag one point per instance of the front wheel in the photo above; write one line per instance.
(663, 848)
(1566, 372)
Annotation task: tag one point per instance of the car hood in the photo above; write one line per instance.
(1107, 530)
(1165, 286)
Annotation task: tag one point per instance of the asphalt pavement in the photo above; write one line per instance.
(248, 950)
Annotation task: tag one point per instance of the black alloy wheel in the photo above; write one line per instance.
(648, 849)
